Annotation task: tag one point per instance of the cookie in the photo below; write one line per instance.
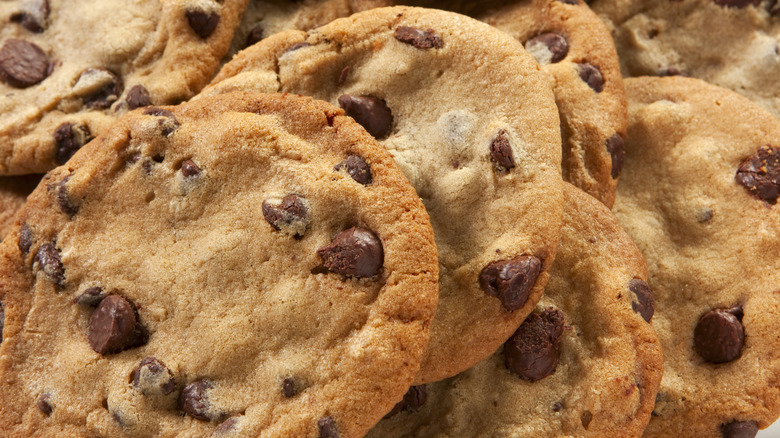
(699, 197)
(485, 164)
(68, 69)
(730, 43)
(13, 193)
(220, 267)
(587, 362)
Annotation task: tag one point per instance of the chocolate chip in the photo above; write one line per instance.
(672, 71)
(357, 168)
(226, 426)
(421, 39)
(585, 419)
(153, 378)
(501, 151)
(49, 261)
(592, 76)
(617, 150)
(290, 216)
(202, 23)
(69, 138)
(548, 48)
(356, 252)
(739, 429)
(195, 400)
(255, 35)
(25, 239)
(2, 321)
(570, 2)
(557, 407)
(760, 174)
(719, 335)
(297, 46)
(532, 351)
(44, 403)
(645, 304)
(189, 169)
(138, 97)
(327, 428)
(22, 63)
(34, 19)
(413, 400)
(737, 3)
(98, 87)
(372, 113)
(288, 387)
(511, 281)
(91, 297)
(62, 197)
(114, 326)
(168, 122)
(774, 10)
(343, 75)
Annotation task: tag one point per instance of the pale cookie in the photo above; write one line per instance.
(699, 196)
(69, 68)
(13, 193)
(250, 265)
(586, 363)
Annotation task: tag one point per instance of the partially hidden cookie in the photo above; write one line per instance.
(587, 362)
(730, 43)
(486, 164)
(243, 265)
(13, 193)
(68, 69)
(699, 197)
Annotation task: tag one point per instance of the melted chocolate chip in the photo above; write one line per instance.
(34, 19)
(592, 76)
(357, 168)
(44, 403)
(413, 400)
(291, 216)
(372, 113)
(719, 335)
(153, 378)
(91, 297)
(737, 3)
(25, 239)
(532, 351)
(501, 151)
(69, 138)
(355, 252)
(2, 321)
(202, 23)
(62, 198)
(22, 63)
(760, 174)
(49, 261)
(511, 281)
(548, 48)
(138, 97)
(418, 38)
(739, 429)
(195, 400)
(327, 428)
(616, 149)
(288, 387)
(255, 35)
(343, 75)
(645, 304)
(114, 326)
(189, 169)
(168, 122)
(107, 91)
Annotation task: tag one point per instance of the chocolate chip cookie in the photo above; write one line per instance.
(587, 362)
(239, 265)
(13, 193)
(67, 69)
(485, 164)
(700, 199)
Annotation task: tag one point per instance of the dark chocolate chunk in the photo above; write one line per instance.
(195, 400)
(592, 76)
(719, 335)
(168, 122)
(737, 3)
(327, 428)
(62, 197)
(644, 304)
(189, 169)
(555, 43)
(69, 138)
(22, 63)
(355, 252)
(617, 150)
(343, 75)
(570, 2)
(49, 261)
(153, 378)
(138, 97)
(103, 96)
(511, 281)
(44, 403)
(226, 426)
(114, 326)
(739, 429)
(532, 351)
(91, 297)
(413, 400)
(25, 239)
(290, 216)
(760, 174)
(33, 19)
(372, 113)
(421, 39)
(501, 151)
(255, 35)
(557, 407)
(288, 387)
(202, 23)
(297, 46)
(2, 321)
(357, 168)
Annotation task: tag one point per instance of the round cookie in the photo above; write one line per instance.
(217, 267)
(13, 193)
(485, 164)
(587, 362)
(68, 69)
(703, 177)
(730, 43)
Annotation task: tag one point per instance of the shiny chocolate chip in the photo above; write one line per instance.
(591, 75)
(357, 168)
(91, 297)
(48, 259)
(138, 97)
(288, 387)
(202, 23)
(739, 429)
(189, 169)
(34, 18)
(98, 87)
(62, 197)
(644, 304)
(167, 122)
(759, 174)
(22, 63)
(69, 138)
(114, 326)
(418, 38)
(44, 403)
(25, 239)
(501, 151)
(511, 281)
(327, 428)
(254, 35)
(355, 252)
(195, 401)
(290, 216)
(548, 48)
(153, 378)
(617, 150)
(719, 335)
(413, 400)
(737, 3)
(370, 112)
(532, 351)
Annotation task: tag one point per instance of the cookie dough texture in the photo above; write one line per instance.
(610, 360)
(711, 243)
(419, 70)
(733, 44)
(81, 64)
(240, 328)
(13, 193)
